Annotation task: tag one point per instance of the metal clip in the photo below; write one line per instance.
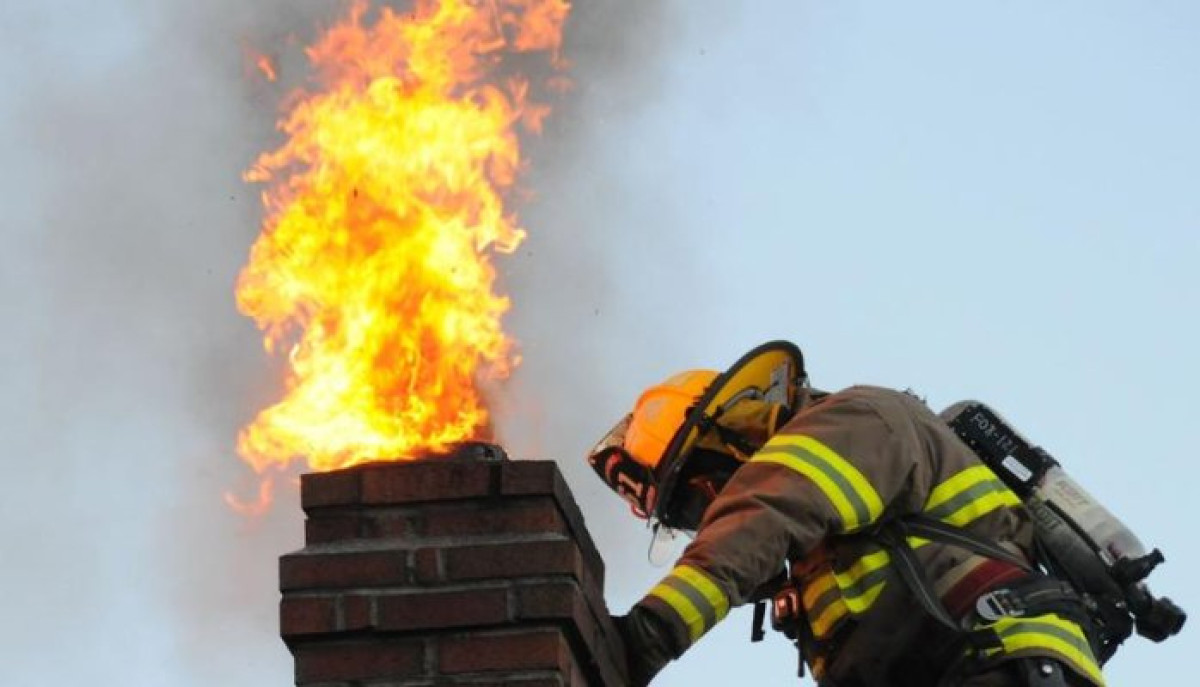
(998, 604)
(786, 611)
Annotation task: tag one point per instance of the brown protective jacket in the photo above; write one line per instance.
(833, 470)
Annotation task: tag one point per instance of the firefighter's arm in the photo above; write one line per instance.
(832, 469)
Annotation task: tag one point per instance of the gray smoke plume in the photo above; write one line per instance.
(569, 314)
(127, 372)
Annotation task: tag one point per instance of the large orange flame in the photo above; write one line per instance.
(384, 208)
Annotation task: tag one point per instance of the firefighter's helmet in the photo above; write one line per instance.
(687, 435)
(660, 412)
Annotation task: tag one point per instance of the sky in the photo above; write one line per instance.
(990, 200)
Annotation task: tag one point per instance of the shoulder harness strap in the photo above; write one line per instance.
(893, 537)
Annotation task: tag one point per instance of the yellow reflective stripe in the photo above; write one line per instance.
(688, 614)
(956, 485)
(852, 496)
(850, 578)
(1049, 632)
(696, 599)
(823, 604)
(862, 603)
(863, 582)
(981, 507)
(859, 586)
(817, 588)
(828, 618)
(968, 496)
(869, 569)
(701, 583)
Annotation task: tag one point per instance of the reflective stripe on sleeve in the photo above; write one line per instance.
(694, 598)
(1049, 633)
(968, 496)
(852, 496)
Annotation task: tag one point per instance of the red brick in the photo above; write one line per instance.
(548, 600)
(541, 679)
(516, 559)
(427, 565)
(525, 477)
(356, 612)
(517, 610)
(390, 525)
(336, 488)
(431, 480)
(544, 477)
(333, 570)
(533, 649)
(566, 602)
(307, 615)
(364, 660)
(325, 529)
(440, 610)
(516, 516)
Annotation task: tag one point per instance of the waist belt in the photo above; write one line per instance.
(1016, 589)
(988, 575)
(1005, 584)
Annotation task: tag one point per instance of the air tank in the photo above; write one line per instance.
(1038, 478)
(1111, 538)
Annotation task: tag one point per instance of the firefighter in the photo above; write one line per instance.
(800, 497)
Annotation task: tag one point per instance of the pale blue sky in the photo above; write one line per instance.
(991, 199)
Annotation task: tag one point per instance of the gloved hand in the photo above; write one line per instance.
(648, 644)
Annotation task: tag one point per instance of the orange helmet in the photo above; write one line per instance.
(627, 457)
(660, 412)
(711, 422)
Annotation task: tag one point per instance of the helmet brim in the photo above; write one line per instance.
(774, 370)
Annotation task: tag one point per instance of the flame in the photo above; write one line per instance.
(384, 209)
(262, 63)
(260, 505)
(266, 66)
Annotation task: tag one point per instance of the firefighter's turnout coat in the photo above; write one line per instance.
(833, 470)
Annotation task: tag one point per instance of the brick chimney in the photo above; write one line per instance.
(466, 570)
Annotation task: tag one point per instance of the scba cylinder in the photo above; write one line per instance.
(1110, 537)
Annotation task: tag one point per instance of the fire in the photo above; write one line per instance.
(384, 208)
(266, 66)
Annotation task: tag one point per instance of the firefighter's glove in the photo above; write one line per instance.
(648, 645)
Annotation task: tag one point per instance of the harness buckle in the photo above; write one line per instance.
(1001, 603)
(787, 611)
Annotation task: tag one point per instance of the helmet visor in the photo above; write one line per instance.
(627, 477)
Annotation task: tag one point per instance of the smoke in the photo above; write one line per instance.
(567, 313)
(128, 373)
(602, 289)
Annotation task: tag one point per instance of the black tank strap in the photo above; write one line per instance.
(935, 530)
(893, 538)
(904, 559)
